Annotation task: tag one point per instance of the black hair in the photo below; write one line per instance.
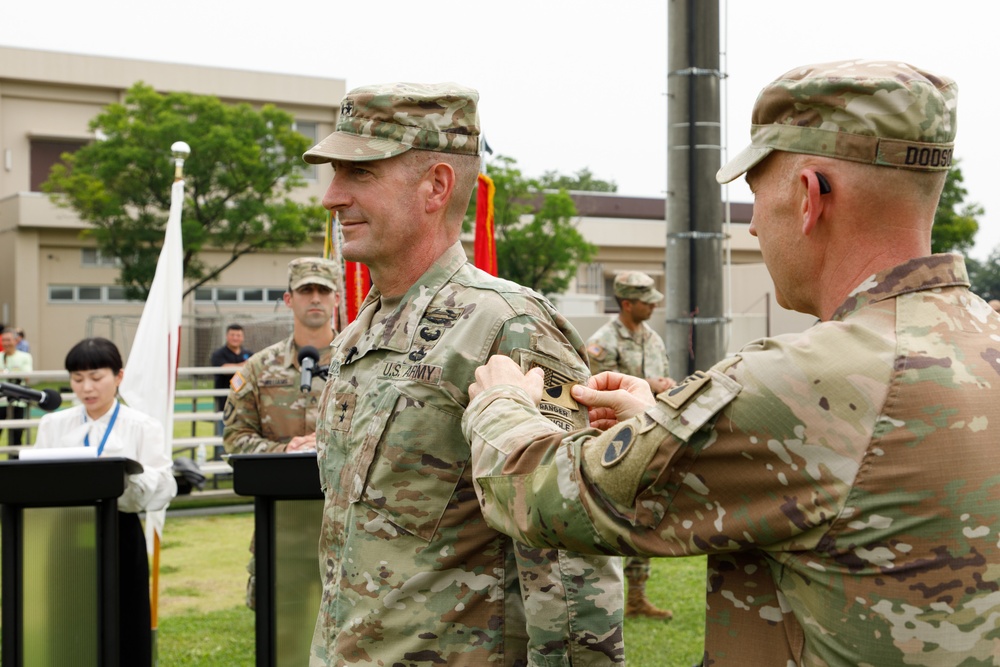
(234, 327)
(91, 354)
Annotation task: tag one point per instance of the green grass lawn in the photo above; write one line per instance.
(204, 623)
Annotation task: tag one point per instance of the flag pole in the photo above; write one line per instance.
(180, 150)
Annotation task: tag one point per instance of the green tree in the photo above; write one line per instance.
(955, 224)
(543, 251)
(985, 276)
(583, 180)
(243, 162)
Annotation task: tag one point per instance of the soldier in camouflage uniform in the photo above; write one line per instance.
(843, 481)
(266, 412)
(627, 345)
(412, 573)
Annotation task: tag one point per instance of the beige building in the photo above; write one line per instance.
(55, 284)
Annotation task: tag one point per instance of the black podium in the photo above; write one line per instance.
(288, 513)
(60, 560)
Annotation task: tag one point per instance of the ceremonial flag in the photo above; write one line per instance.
(357, 281)
(484, 246)
(151, 371)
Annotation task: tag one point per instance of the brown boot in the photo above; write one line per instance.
(638, 605)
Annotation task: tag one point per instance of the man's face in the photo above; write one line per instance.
(377, 205)
(641, 311)
(312, 305)
(9, 341)
(234, 339)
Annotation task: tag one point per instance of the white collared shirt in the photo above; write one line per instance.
(134, 435)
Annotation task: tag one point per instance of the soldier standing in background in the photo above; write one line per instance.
(412, 573)
(843, 481)
(627, 345)
(266, 411)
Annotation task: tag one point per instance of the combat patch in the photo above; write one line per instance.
(237, 381)
(424, 373)
(618, 447)
(341, 411)
(558, 404)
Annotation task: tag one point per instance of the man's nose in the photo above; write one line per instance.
(336, 196)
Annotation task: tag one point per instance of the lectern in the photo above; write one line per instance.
(60, 560)
(288, 512)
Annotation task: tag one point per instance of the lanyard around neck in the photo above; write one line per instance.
(107, 431)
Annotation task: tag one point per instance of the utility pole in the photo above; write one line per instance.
(696, 322)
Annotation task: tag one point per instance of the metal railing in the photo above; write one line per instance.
(182, 413)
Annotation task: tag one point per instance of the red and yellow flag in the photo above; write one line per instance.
(484, 246)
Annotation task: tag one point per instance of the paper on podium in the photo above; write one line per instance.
(63, 453)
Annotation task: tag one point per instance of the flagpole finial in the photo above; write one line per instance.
(180, 152)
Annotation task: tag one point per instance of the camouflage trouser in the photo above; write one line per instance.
(637, 569)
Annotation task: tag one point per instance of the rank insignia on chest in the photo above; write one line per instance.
(677, 396)
(341, 411)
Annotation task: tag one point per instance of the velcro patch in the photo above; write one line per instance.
(618, 447)
(677, 396)
(341, 411)
(237, 381)
(596, 351)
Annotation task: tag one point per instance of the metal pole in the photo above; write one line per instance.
(694, 299)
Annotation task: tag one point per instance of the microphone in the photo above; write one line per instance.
(48, 399)
(308, 356)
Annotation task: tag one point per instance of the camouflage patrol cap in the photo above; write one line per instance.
(312, 271)
(378, 122)
(637, 286)
(877, 112)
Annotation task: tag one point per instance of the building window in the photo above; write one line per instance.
(87, 294)
(248, 295)
(47, 152)
(92, 257)
(310, 172)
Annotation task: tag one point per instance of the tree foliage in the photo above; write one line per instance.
(243, 162)
(538, 243)
(955, 223)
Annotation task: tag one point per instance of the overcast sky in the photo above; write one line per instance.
(564, 84)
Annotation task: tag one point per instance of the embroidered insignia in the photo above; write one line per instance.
(341, 411)
(417, 355)
(347, 108)
(237, 381)
(618, 447)
(596, 350)
(424, 373)
(443, 317)
(677, 396)
(430, 335)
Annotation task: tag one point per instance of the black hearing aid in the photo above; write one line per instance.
(824, 185)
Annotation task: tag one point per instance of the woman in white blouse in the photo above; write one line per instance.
(114, 429)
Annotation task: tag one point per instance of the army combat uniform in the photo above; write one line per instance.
(412, 573)
(642, 354)
(265, 408)
(844, 481)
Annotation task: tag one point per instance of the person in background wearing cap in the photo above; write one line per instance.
(266, 411)
(626, 344)
(843, 481)
(412, 573)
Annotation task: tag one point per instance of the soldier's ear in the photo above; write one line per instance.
(441, 179)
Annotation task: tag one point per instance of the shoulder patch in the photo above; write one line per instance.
(677, 396)
(618, 447)
(237, 381)
(696, 403)
(596, 351)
